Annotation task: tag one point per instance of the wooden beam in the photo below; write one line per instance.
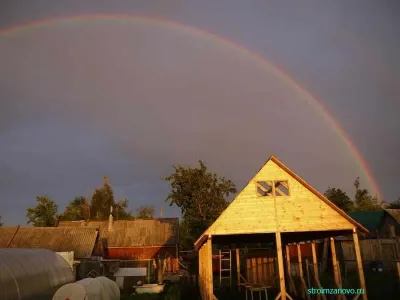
(304, 289)
(316, 272)
(325, 256)
(336, 271)
(292, 287)
(280, 267)
(209, 273)
(359, 263)
(238, 268)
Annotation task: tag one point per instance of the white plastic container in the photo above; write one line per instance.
(100, 288)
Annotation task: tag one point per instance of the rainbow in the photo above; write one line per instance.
(311, 99)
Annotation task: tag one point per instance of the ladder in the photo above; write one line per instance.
(225, 266)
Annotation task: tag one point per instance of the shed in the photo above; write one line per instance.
(381, 224)
(278, 207)
(79, 240)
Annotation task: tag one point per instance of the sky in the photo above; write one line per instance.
(129, 99)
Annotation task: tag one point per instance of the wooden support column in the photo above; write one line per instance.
(336, 271)
(359, 263)
(201, 272)
(316, 272)
(292, 287)
(209, 273)
(304, 288)
(325, 256)
(282, 295)
(238, 268)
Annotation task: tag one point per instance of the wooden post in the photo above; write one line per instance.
(316, 273)
(359, 263)
(336, 271)
(238, 268)
(325, 256)
(209, 273)
(304, 289)
(398, 270)
(292, 288)
(282, 294)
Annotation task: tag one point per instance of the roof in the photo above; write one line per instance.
(6, 235)
(302, 182)
(369, 219)
(319, 195)
(395, 213)
(79, 240)
(134, 233)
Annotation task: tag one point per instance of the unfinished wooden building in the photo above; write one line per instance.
(280, 208)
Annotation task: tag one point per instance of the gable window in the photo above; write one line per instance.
(273, 187)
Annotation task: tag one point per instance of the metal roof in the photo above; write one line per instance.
(134, 233)
(369, 219)
(79, 240)
(6, 235)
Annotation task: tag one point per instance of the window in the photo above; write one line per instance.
(271, 188)
(264, 188)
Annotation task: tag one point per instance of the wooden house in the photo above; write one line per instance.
(280, 208)
(137, 239)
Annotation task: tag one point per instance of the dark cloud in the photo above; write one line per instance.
(129, 100)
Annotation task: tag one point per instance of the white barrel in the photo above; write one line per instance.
(110, 288)
(100, 288)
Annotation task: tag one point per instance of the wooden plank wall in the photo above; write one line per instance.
(261, 270)
(386, 250)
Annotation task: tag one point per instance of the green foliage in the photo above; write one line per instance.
(120, 210)
(340, 199)
(395, 204)
(363, 200)
(75, 210)
(44, 213)
(201, 196)
(102, 201)
(1, 223)
(145, 212)
(98, 208)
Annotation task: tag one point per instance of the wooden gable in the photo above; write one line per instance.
(302, 209)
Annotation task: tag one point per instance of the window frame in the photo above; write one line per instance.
(273, 193)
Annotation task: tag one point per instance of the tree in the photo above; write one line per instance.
(340, 199)
(102, 200)
(75, 210)
(121, 212)
(145, 212)
(1, 223)
(44, 213)
(395, 204)
(201, 196)
(363, 200)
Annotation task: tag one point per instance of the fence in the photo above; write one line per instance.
(372, 250)
(107, 268)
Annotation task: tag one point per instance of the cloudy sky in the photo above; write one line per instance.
(128, 99)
